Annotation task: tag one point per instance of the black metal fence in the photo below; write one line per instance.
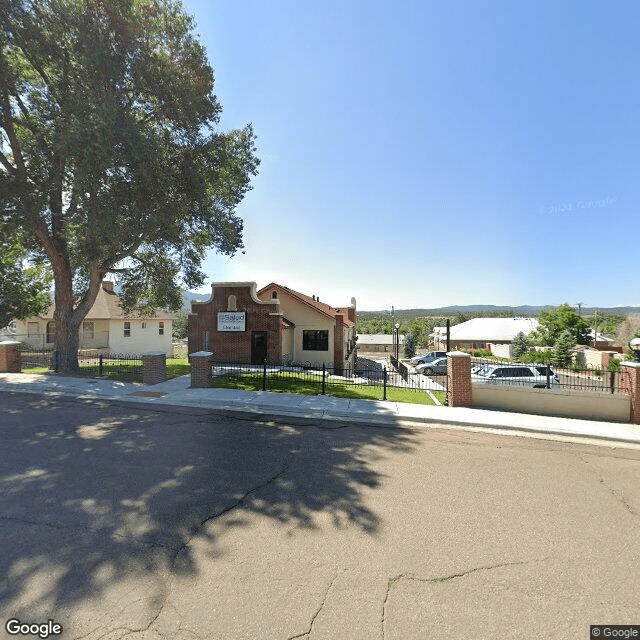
(373, 378)
(549, 376)
(124, 367)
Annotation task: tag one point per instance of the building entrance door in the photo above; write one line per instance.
(258, 347)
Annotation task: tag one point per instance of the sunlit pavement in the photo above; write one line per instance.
(125, 521)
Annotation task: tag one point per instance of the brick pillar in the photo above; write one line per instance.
(630, 383)
(154, 367)
(459, 392)
(10, 357)
(605, 359)
(338, 345)
(200, 368)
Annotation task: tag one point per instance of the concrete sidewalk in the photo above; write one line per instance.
(314, 409)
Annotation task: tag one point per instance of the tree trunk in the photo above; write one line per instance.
(67, 339)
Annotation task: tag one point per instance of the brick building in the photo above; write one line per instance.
(240, 324)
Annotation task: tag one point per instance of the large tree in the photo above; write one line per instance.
(24, 290)
(556, 321)
(110, 161)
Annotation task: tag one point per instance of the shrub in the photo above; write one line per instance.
(614, 365)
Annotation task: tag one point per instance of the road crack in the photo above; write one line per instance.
(618, 496)
(315, 615)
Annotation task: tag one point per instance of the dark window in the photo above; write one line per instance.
(127, 329)
(51, 331)
(315, 340)
(161, 328)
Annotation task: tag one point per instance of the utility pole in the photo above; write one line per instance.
(579, 305)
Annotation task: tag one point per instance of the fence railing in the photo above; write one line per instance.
(318, 378)
(578, 378)
(124, 367)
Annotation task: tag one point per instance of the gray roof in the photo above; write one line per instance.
(488, 329)
(377, 338)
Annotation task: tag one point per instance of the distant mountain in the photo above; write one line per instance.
(188, 296)
(522, 310)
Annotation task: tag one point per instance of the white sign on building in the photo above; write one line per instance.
(231, 321)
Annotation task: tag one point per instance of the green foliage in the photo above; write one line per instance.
(110, 162)
(23, 290)
(180, 325)
(557, 321)
(410, 342)
(630, 352)
(606, 322)
(520, 345)
(614, 365)
(536, 357)
(563, 350)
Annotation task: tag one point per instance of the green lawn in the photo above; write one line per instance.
(295, 383)
(123, 371)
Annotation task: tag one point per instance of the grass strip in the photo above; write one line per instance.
(295, 383)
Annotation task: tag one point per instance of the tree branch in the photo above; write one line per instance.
(7, 165)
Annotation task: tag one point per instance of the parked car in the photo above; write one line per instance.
(428, 357)
(434, 367)
(523, 375)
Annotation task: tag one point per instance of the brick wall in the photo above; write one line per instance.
(459, 390)
(10, 357)
(232, 346)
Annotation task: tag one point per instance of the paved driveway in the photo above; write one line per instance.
(128, 522)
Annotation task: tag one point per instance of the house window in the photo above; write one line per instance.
(32, 329)
(160, 328)
(315, 340)
(127, 329)
(144, 325)
(87, 330)
(51, 331)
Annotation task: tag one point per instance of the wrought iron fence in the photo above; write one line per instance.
(545, 376)
(123, 367)
(320, 378)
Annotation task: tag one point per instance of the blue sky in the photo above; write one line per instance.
(421, 154)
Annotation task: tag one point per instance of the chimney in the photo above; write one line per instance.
(107, 285)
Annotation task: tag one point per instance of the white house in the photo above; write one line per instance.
(479, 333)
(105, 327)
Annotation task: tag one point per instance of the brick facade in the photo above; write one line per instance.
(338, 345)
(630, 383)
(154, 368)
(10, 357)
(236, 346)
(459, 389)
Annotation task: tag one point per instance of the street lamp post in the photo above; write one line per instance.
(397, 327)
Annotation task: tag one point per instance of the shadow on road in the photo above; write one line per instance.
(93, 495)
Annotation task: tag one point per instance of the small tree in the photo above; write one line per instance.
(563, 351)
(520, 345)
(556, 321)
(410, 343)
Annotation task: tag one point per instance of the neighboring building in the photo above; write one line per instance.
(480, 333)
(377, 342)
(277, 324)
(105, 328)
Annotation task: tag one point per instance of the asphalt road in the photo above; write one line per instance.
(129, 522)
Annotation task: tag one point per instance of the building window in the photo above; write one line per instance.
(127, 329)
(144, 325)
(315, 340)
(33, 329)
(87, 330)
(160, 328)
(51, 332)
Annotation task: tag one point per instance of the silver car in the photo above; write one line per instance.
(534, 375)
(428, 357)
(435, 367)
